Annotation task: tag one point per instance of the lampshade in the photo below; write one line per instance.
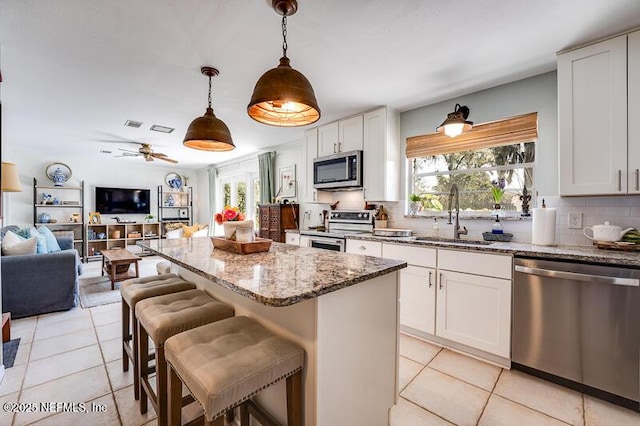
(283, 96)
(209, 133)
(10, 178)
(456, 123)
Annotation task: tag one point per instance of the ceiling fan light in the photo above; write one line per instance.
(455, 123)
(284, 97)
(208, 133)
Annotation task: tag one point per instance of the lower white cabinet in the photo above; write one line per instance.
(418, 298)
(304, 241)
(475, 311)
(369, 248)
(292, 238)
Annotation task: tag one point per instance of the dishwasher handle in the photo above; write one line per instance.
(600, 279)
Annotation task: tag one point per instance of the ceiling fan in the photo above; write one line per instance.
(146, 152)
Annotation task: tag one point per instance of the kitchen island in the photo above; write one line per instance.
(341, 308)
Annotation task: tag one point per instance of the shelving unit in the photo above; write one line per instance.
(119, 235)
(71, 200)
(180, 211)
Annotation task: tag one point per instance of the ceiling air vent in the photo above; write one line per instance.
(163, 129)
(134, 124)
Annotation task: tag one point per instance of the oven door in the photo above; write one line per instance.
(335, 244)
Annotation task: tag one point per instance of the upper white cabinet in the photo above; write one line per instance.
(381, 156)
(311, 152)
(596, 155)
(340, 136)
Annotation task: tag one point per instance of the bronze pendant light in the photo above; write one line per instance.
(456, 123)
(208, 133)
(283, 96)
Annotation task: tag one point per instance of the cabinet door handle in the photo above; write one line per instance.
(362, 248)
(619, 180)
(339, 149)
(441, 280)
(334, 147)
(364, 193)
(314, 195)
(430, 275)
(637, 180)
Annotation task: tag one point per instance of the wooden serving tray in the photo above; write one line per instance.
(257, 246)
(608, 245)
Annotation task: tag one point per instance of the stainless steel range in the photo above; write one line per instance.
(341, 224)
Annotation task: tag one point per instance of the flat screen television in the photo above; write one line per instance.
(122, 200)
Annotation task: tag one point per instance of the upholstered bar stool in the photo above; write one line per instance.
(133, 291)
(224, 364)
(160, 318)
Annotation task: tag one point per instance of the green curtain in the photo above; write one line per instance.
(266, 172)
(213, 174)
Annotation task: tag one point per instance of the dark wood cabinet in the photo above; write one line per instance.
(275, 218)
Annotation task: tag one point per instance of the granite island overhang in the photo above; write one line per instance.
(341, 308)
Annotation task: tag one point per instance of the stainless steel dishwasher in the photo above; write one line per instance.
(579, 325)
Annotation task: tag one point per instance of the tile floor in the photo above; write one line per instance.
(74, 356)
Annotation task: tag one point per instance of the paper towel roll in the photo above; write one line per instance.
(543, 232)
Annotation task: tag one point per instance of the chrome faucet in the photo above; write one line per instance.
(456, 227)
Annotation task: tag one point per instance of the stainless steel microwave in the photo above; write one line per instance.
(338, 171)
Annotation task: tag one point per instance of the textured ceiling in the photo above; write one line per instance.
(75, 70)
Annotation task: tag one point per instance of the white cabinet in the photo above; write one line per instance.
(592, 117)
(304, 241)
(381, 156)
(340, 136)
(311, 152)
(633, 103)
(369, 248)
(417, 285)
(292, 238)
(472, 309)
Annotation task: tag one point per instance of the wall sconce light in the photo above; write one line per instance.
(456, 123)
(209, 133)
(283, 96)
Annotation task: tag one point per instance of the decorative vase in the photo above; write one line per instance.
(58, 177)
(231, 226)
(44, 218)
(170, 201)
(414, 207)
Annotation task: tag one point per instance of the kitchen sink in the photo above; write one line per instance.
(454, 240)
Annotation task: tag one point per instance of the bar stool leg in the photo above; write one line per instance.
(161, 385)
(125, 335)
(143, 365)
(175, 397)
(294, 399)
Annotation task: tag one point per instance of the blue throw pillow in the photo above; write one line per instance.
(41, 240)
(52, 243)
(25, 233)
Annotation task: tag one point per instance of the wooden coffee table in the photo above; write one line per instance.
(116, 263)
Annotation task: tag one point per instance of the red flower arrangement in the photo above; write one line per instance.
(229, 214)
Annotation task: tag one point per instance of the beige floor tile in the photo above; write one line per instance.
(416, 349)
(76, 388)
(93, 416)
(465, 368)
(602, 413)
(129, 409)
(408, 370)
(118, 378)
(23, 323)
(76, 313)
(556, 401)
(22, 356)
(111, 349)
(63, 364)
(12, 381)
(67, 342)
(407, 414)
(111, 307)
(502, 412)
(109, 332)
(24, 333)
(46, 331)
(447, 397)
(106, 317)
(6, 416)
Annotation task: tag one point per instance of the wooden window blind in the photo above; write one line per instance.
(523, 128)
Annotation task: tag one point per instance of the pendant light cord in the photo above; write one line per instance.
(284, 35)
(209, 92)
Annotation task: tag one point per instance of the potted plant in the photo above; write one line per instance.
(416, 203)
(149, 218)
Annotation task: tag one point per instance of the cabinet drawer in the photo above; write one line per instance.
(291, 238)
(369, 248)
(418, 256)
(490, 265)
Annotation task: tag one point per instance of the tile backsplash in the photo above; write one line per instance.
(620, 210)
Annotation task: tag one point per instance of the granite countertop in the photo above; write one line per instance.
(283, 276)
(575, 253)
